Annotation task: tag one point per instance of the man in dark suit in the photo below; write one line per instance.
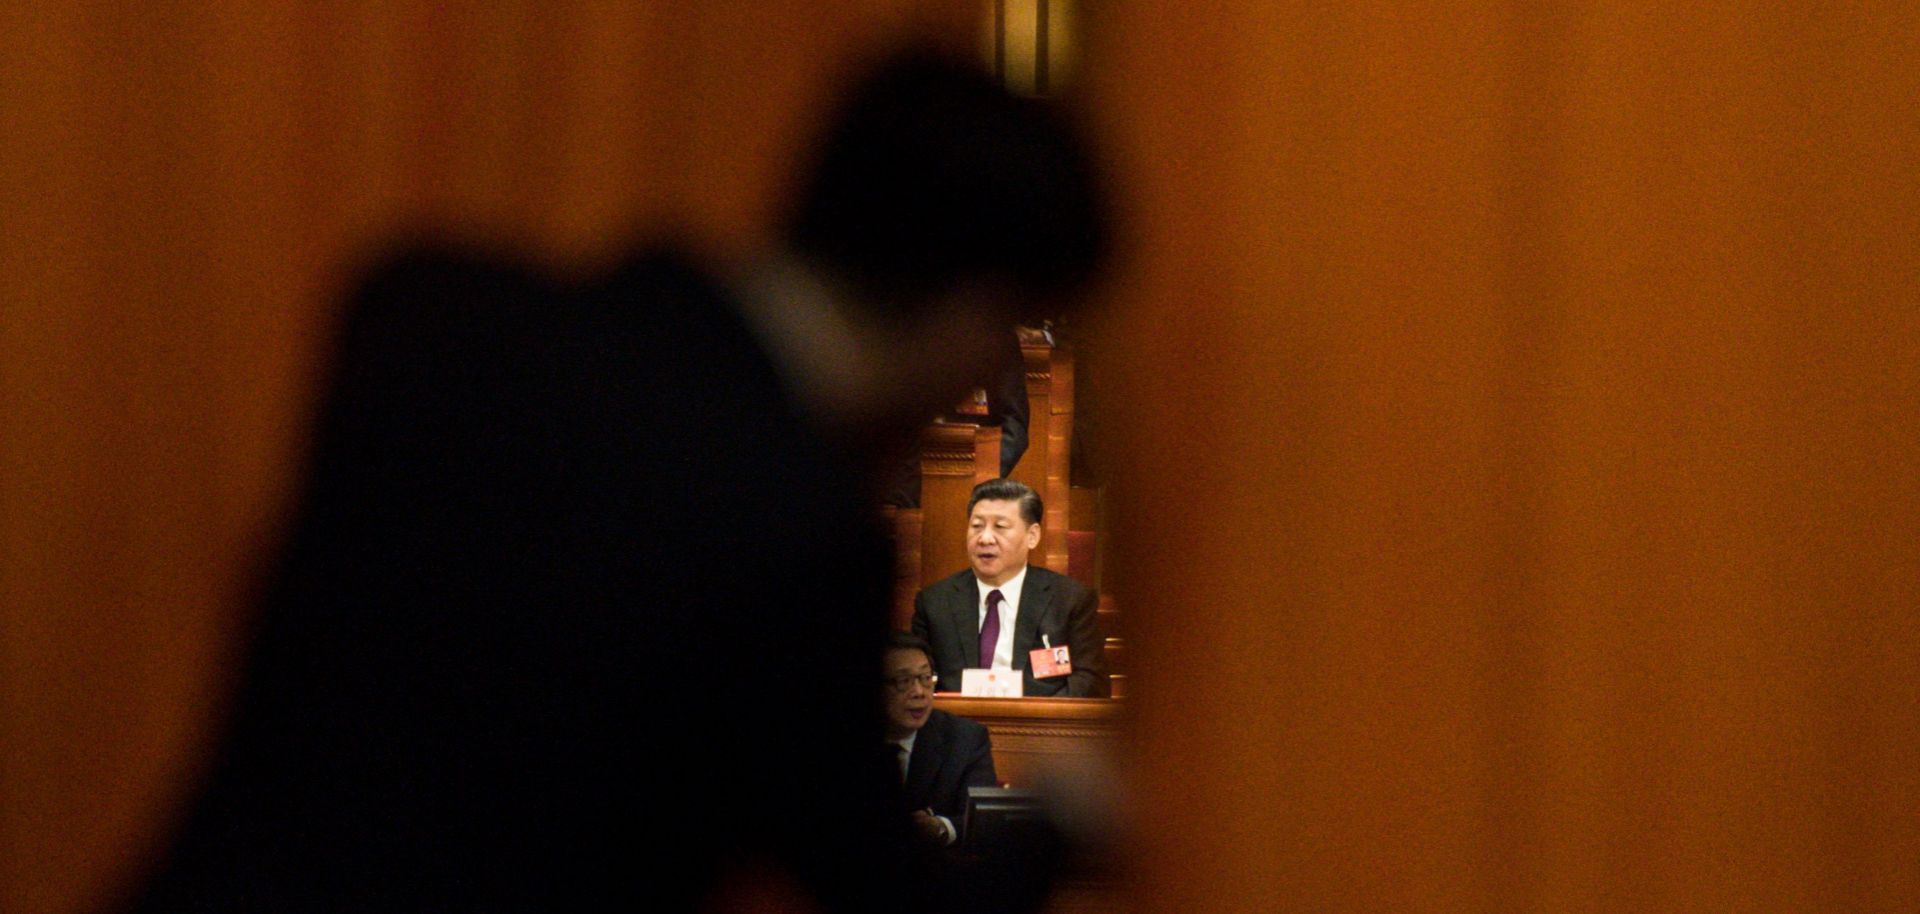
(938, 755)
(998, 610)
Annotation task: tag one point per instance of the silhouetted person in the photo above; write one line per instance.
(563, 617)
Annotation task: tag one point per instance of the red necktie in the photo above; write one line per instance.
(990, 628)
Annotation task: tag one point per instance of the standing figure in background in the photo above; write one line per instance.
(1006, 405)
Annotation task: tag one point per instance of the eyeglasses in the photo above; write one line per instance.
(905, 683)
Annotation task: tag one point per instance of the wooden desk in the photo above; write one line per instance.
(1032, 735)
(1064, 737)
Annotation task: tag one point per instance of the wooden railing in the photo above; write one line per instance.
(1045, 465)
(1033, 736)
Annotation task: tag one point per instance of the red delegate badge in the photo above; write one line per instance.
(1049, 662)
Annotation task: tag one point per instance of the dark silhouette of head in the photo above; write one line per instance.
(931, 176)
(547, 561)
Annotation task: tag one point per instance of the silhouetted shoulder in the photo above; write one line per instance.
(437, 283)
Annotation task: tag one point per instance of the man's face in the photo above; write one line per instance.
(907, 708)
(998, 540)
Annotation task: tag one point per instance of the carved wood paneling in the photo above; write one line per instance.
(954, 457)
(907, 524)
(1036, 737)
(1046, 464)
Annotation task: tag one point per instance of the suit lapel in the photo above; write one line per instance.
(923, 765)
(964, 616)
(1034, 597)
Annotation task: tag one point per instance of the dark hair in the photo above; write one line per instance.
(930, 175)
(1031, 510)
(907, 641)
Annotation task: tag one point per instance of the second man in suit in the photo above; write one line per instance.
(1000, 609)
(939, 755)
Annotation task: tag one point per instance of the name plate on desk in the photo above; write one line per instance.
(994, 683)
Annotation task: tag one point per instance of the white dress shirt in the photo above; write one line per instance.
(1009, 610)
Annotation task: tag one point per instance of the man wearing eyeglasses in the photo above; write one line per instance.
(938, 755)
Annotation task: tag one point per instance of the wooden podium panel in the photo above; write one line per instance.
(1033, 736)
(906, 524)
(1058, 490)
(1045, 465)
(1071, 738)
(954, 457)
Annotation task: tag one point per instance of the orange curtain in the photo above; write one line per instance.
(1534, 526)
(181, 185)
